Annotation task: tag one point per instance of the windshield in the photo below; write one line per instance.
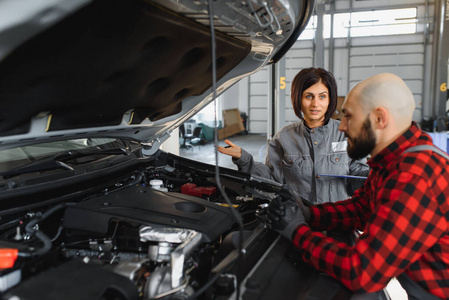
(19, 156)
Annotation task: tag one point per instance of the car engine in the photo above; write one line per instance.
(155, 234)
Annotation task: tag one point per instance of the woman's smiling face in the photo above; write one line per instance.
(314, 103)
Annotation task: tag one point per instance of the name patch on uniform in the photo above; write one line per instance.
(339, 146)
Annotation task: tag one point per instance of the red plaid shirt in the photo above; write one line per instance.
(403, 211)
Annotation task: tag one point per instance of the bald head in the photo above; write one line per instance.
(389, 91)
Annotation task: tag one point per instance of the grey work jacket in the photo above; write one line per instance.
(297, 156)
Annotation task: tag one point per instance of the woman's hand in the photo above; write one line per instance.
(231, 150)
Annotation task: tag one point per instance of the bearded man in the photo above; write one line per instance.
(402, 210)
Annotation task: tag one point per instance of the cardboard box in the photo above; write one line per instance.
(232, 123)
(338, 114)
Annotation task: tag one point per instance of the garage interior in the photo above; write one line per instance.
(80, 194)
(354, 39)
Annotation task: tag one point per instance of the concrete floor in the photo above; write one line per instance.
(255, 144)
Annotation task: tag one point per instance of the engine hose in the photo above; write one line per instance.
(39, 234)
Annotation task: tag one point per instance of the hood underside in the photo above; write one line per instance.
(120, 68)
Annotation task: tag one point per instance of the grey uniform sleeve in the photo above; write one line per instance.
(270, 169)
(357, 167)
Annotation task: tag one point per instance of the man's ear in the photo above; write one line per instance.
(380, 117)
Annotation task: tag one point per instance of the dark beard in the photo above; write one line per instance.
(364, 143)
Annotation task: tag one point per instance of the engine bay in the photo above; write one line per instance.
(156, 234)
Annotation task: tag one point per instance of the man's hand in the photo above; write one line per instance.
(285, 216)
(231, 150)
(288, 193)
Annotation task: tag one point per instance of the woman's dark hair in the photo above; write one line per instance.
(308, 77)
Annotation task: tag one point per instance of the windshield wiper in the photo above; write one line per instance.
(73, 154)
(42, 166)
(57, 161)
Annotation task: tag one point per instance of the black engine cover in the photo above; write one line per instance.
(143, 205)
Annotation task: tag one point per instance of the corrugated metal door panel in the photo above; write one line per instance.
(383, 49)
(259, 101)
(257, 105)
(361, 72)
(388, 59)
(404, 60)
(258, 126)
(260, 76)
(258, 89)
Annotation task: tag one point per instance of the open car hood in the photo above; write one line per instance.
(129, 68)
(90, 208)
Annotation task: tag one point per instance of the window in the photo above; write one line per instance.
(366, 23)
(309, 32)
(384, 22)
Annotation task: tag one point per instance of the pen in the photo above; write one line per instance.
(343, 176)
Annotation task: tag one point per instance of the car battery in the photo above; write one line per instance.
(203, 192)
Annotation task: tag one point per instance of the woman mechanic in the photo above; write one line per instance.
(300, 153)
